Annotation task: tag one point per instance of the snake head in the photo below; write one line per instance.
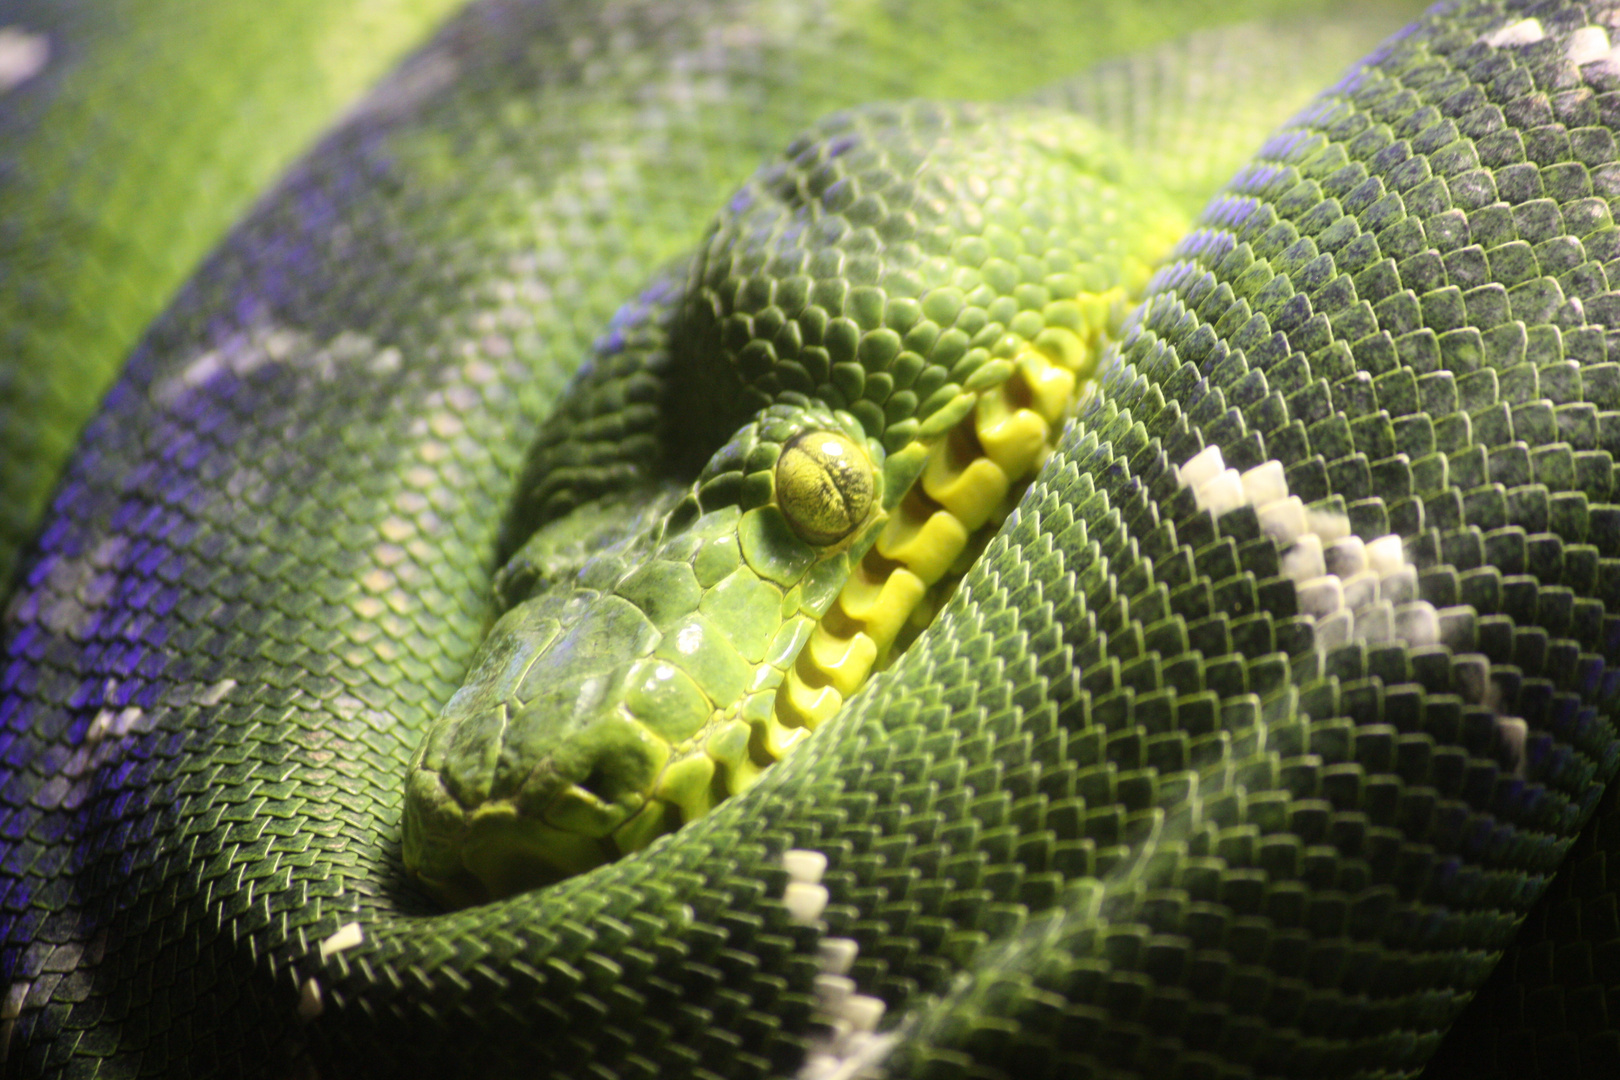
(615, 702)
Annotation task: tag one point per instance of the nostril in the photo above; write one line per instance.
(594, 782)
(599, 783)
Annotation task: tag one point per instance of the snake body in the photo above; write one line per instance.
(1132, 805)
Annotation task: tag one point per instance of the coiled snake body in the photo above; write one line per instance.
(1241, 749)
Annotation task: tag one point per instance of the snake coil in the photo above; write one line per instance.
(1196, 774)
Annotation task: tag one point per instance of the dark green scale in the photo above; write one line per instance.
(1340, 192)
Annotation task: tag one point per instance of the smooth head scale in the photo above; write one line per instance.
(881, 335)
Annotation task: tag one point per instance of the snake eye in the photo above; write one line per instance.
(823, 486)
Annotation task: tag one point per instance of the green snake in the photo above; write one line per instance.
(1242, 747)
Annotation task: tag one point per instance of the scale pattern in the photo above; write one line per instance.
(1401, 302)
(1125, 810)
(100, 250)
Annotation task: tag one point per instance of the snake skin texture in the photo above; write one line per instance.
(1141, 802)
(130, 145)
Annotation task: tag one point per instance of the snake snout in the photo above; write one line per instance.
(533, 764)
(474, 842)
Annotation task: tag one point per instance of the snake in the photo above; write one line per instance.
(1254, 723)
